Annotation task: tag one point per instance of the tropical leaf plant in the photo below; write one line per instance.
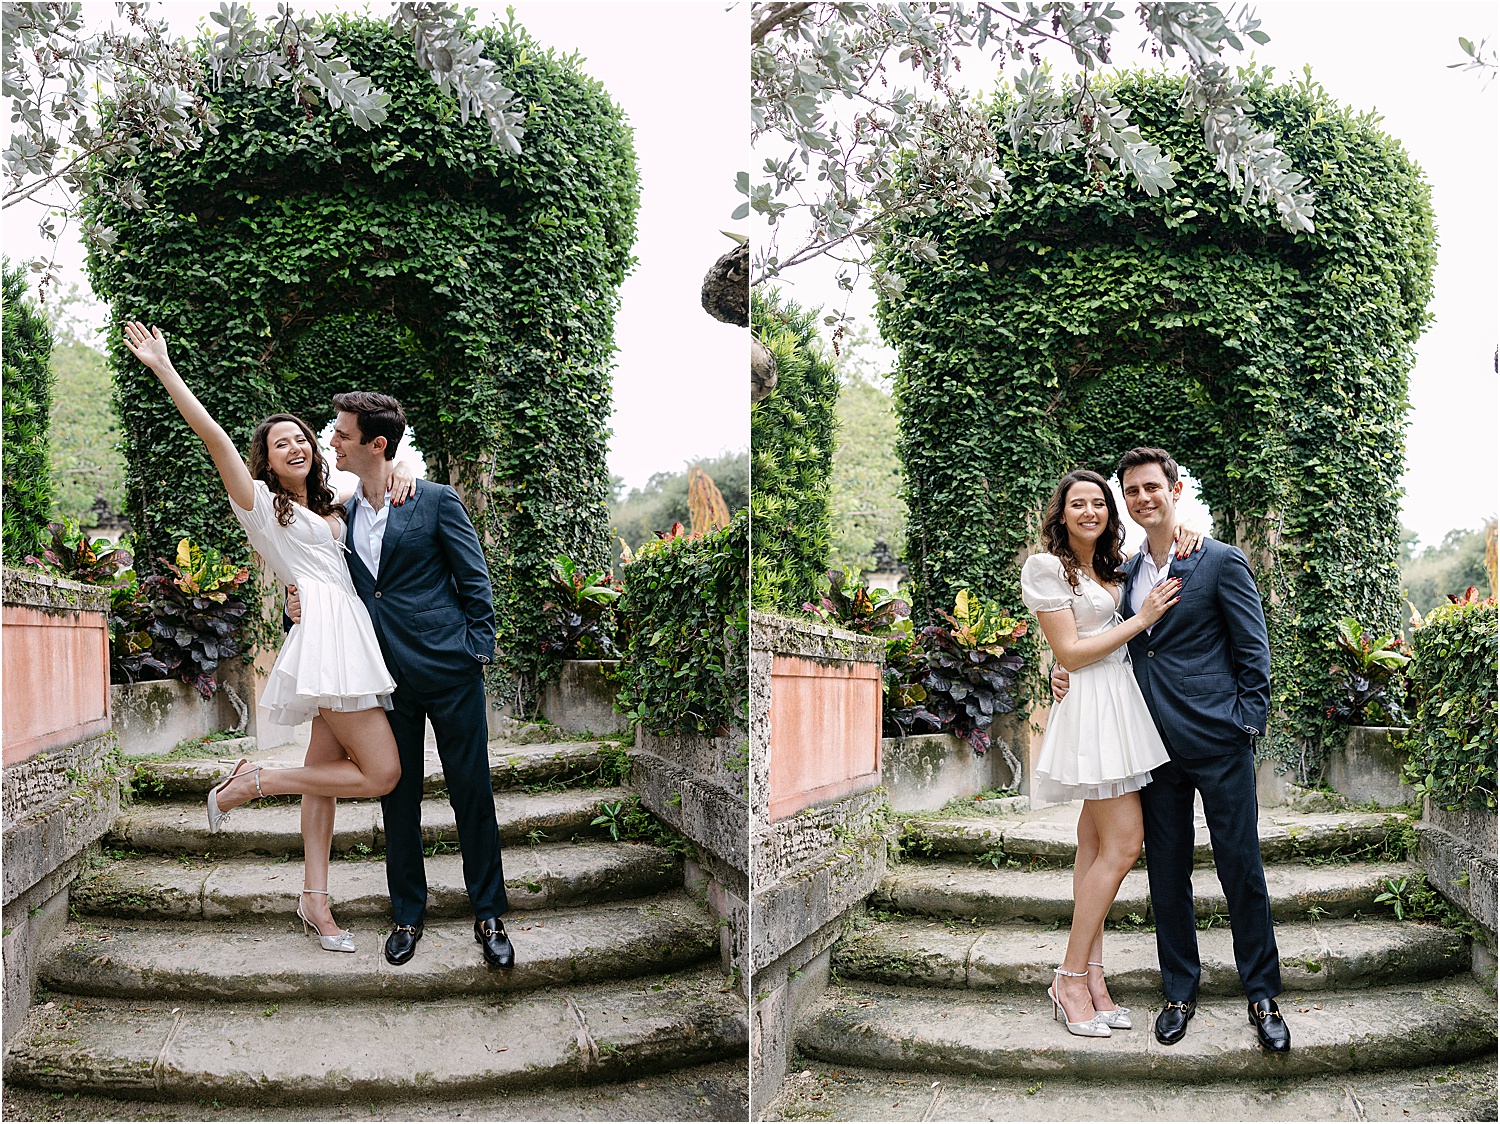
(72, 555)
(1368, 685)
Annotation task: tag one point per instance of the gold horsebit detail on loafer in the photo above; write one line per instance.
(406, 928)
(487, 931)
(1180, 1006)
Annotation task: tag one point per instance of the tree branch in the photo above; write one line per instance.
(779, 14)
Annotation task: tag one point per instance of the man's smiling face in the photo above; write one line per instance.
(348, 453)
(1151, 501)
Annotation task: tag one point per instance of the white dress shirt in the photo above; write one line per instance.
(369, 529)
(1148, 577)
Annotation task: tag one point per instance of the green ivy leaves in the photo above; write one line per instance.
(27, 395)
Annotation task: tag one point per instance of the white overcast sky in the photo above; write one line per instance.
(1391, 57)
(680, 71)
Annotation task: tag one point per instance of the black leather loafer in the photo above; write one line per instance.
(490, 933)
(1171, 1024)
(402, 942)
(1270, 1027)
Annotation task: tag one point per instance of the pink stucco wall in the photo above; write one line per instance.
(55, 679)
(825, 732)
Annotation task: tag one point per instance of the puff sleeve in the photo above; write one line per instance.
(1044, 589)
(258, 521)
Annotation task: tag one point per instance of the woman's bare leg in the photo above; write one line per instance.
(371, 768)
(1117, 825)
(1088, 851)
(317, 830)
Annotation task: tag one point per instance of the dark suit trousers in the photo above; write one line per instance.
(1228, 787)
(458, 721)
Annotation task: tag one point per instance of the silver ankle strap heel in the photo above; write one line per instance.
(1095, 1027)
(216, 815)
(1119, 1017)
(342, 941)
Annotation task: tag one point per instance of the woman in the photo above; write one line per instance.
(1101, 743)
(330, 669)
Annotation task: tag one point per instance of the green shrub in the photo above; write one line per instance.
(1451, 745)
(791, 442)
(685, 667)
(27, 394)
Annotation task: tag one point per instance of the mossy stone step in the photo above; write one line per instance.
(967, 890)
(1005, 1035)
(1314, 957)
(312, 1051)
(1053, 833)
(819, 1091)
(547, 876)
(276, 829)
(511, 766)
(270, 960)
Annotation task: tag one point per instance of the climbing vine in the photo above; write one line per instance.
(27, 396)
(1083, 317)
(792, 443)
(1452, 740)
(295, 255)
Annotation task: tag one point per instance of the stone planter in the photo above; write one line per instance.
(1367, 767)
(153, 717)
(923, 772)
(582, 699)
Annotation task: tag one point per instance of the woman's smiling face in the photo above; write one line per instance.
(1085, 514)
(289, 454)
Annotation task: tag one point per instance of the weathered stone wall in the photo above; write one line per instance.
(1458, 852)
(693, 785)
(59, 793)
(812, 866)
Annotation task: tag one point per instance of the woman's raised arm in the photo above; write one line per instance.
(151, 349)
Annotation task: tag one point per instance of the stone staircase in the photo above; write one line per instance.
(184, 974)
(936, 1007)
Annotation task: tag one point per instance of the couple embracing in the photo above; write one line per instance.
(393, 624)
(1163, 684)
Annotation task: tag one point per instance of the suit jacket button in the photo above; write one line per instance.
(377, 593)
(1151, 653)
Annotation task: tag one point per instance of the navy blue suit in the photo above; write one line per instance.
(435, 620)
(1205, 672)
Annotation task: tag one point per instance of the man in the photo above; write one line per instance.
(420, 571)
(1204, 669)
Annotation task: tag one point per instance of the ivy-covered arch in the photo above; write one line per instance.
(295, 255)
(1082, 318)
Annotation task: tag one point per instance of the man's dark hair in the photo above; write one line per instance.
(379, 415)
(1137, 457)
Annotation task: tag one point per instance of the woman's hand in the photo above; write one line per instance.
(1162, 597)
(404, 482)
(1187, 539)
(150, 347)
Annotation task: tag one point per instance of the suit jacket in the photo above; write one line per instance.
(1206, 667)
(431, 604)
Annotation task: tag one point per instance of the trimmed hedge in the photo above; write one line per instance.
(296, 255)
(1452, 743)
(1082, 317)
(26, 341)
(791, 459)
(685, 669)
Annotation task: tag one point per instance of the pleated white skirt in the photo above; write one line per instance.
(331, 659)
(1101, 741)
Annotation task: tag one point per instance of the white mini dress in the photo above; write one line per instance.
(1101, 741)
(331, 658)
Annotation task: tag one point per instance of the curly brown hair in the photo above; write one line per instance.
(1108, 559)
(321, 498)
